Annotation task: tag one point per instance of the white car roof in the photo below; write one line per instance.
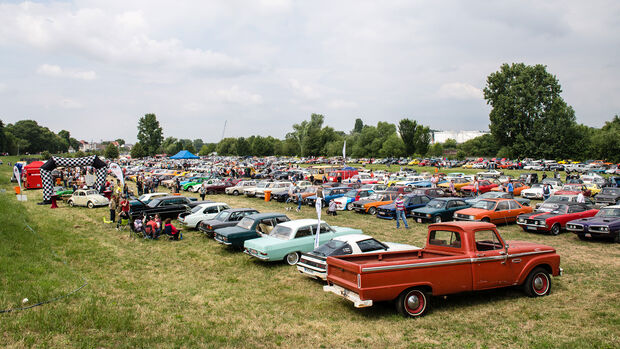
(209, 204)
(297, 223)
(352, 237)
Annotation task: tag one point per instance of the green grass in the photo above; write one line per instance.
(196, 293)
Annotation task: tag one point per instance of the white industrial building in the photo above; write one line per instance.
(459, 136)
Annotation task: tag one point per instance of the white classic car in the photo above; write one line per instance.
(535, 192)
(313, 264)
(87, 197)
(201, 212)
(239, 187)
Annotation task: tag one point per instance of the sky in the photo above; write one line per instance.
(95, 67)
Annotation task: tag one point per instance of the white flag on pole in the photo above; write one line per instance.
(317, 205)
(18, 175)
(118, 172)
(344, 152)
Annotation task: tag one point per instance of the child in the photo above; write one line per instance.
(332, 208)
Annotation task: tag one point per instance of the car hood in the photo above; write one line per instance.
(598, 221)
(388, 207)
(539, 215)
(426, 210)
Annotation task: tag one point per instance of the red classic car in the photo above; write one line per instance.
(552, 217)
(458, 257)
(483, 187)
(573, 189)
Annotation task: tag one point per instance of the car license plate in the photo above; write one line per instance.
(419, 220)
(588, 235)
(531, 228)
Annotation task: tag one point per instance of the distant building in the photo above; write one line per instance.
(85, 146)
(459, 136)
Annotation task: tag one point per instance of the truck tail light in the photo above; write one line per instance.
(359, 281)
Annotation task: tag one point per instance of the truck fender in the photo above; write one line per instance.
(530, 266)
(427, 287)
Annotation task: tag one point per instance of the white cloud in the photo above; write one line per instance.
(118, 38)
(67, 103)
(305, 91)
(342, 104)
(459, 90)
(57, 72)
(236, 95)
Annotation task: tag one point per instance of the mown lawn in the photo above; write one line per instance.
(196, 293)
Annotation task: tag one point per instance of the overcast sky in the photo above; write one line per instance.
(95, 67)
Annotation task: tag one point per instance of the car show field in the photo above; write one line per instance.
(199, 293)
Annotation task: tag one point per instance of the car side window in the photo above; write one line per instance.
(576, 208)
(514, 205)
(370, 245)
(502, 206)
(212, 209)
(444, 238)
(303, 231)
(235, 216)
(451, 204)
(282, 219)
(486, 240)
(424, 199)
(460, 203)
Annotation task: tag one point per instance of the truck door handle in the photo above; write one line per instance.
(480, 254)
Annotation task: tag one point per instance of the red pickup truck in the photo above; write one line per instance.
(458, 257)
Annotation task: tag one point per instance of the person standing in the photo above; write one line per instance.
(112, 206)
(546, 191)
(511, 188)
(452, 188)
(581, 198)
(203, 190)
(399, 204)
(476, 186)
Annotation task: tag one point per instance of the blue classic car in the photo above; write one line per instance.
(328, 195)
(605, 224)
(439, 210)
(289, 239)
(411, 201)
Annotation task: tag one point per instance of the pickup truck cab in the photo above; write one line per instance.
(458, 257)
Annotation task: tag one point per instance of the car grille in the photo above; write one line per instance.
(461, 216)
(599, 229)
(384, 212)
(418, 215)
(575, 227)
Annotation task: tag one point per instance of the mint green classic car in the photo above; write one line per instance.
(289, 239)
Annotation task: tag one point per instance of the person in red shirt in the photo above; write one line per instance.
(169, 229)
(124, 207)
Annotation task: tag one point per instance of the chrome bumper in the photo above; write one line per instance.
(349, 295)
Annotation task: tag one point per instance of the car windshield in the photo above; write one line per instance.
(222, 216)
(609, 212)
(281, 232)
(329, 248)
(143, 198)
(558, 198)
(489, 195)
(553, 208)
(484, 204)
(610, 191)
(570, 188)
(351, 194)
(436, 204)
(246, 223)
(153, 203)
(536, 185)
(375, 197)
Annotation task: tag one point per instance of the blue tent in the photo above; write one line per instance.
(184, 154)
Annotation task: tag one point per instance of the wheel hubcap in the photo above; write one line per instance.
(538, 283)
(413, 302)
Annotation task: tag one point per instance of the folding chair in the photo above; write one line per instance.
(122, 224)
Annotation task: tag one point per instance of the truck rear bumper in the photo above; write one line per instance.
(349, 295)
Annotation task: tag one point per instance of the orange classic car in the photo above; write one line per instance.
(517, 188)
(375, 200)
(493, 210)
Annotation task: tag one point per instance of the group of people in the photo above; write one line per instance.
(151, 227)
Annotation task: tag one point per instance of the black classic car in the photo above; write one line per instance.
(166, 207)
(605, 224)
(250, 227)
(226, 218)
(608, 196)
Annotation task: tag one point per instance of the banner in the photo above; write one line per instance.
(118, 172)
(18, 175)
(344, 152)
(318, 205)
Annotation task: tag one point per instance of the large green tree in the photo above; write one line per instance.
(528, 115)
(111, 151)
(138, 151)
(150, 134)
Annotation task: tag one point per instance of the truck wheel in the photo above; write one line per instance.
(292, 258)
(236, 192)
(90, 204)
(555, 229)
(437, 219)
(538, 283)
(372, 211)
(412, 303)
(71, 203)
(350, 206)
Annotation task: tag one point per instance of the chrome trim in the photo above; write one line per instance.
(311, 267)
(516, 260)
(454, 261)
(222, 241)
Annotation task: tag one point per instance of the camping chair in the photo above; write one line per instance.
(122, 224)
